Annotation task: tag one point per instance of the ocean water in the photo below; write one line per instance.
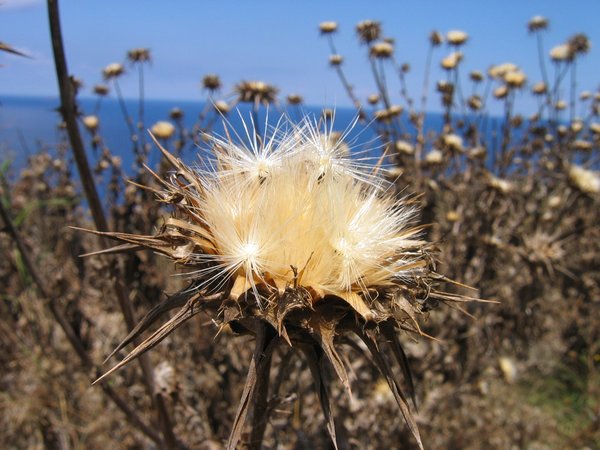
(28, 124)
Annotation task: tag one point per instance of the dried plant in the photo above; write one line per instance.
(292, 242)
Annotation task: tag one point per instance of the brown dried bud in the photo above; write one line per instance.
(368, 31)
(328, 27)
(294, 99)
(211, 82)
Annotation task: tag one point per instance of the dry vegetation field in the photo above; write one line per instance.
(496, 311)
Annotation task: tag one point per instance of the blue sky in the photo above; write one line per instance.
(277, 41)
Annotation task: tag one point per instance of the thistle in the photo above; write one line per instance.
(291, 241)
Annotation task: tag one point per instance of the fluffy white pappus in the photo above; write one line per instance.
(331, 156)
(292, 210)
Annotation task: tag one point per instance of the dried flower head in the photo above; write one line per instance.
(386, 115)
(211, 82)
(561, 53)
(453, 142)
(501, 92)
(257, 92)
(373, 99)
(139, 55)
(404, 147)
(499, 71)
(381, 50)
(101, 90)
(581, 145)
(500, 185)
(451, 61)
(585, 95)
(368, 31)
(290, 241)
(328, 27)
(478, 152)
(336, 60)
(445, 87)
(91, 122)
(475, 102)
(560, 105)
(587, 181)
(113, 70)
(176, 113)
(434, 157)
(537, 23)
(294, 99)
(576, 125)
(222, 107)
(435, 38)
(327, 114)
(163, 129)
(476, 76)
(456, 37)
(515, 79)
(578, 44)
(539, 88)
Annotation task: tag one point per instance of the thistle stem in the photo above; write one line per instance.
(68, 111)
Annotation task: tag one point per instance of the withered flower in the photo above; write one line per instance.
(211, 82)
(476, 76)
(139, 55)
(163, 129)
(501, 92)
(445, 87)
(386, 115)
(294, 244)
(587, 181)
(373, 99)
(113, 70)
(176, 113)
(537, 23)
(561, 53)
(91, 122)
(327, 114)
(336, 60)
(579, 44)
(581, 145)
(101, 90)
(435, 38)
(257, 92)
(294, 99)
(451, 61)
(381, 50)
(404, 147)
(560, 105)
(475, 102)
(539, 88)
(434, 158)
(368, 31)
(453, 142)
(328, 27)
(456, 37)
(515, 79)
(222, 107)
(499, 71)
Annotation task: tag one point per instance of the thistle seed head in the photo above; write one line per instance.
(113, 70)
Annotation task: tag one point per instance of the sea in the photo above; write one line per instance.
(30, 124)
